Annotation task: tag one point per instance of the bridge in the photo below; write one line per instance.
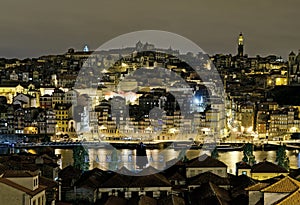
(290, 144)
(157, 144)
(119, 144)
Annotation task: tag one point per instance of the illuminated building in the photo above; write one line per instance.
(63, 113)
(30, 130)
(46, 122)
(57, 97)
(46, 101)
(294, 68)
(241, 45)
(266, 170)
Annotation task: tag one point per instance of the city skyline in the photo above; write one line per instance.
(149, 102)
(32, 29)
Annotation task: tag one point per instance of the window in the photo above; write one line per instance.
(35, 182)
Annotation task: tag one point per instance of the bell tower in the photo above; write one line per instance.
(241, 45)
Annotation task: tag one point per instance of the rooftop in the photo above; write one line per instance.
(116, 200)
(210, 193)
(267, 167)
(285, 185)
(205, 161)
(21, 188)
(293, 198)
(257, 187)
(208, 177)
(19, 173)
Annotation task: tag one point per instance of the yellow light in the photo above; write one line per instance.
(250, 129)
(31, 151)
(242, 129)
(124, 65)
(241, 39)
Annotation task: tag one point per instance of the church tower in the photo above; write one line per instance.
(241, 45)
(86, 49)
(292, 59)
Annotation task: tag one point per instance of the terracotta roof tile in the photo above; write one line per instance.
(291, 199)
(285, 185)
(257, 187)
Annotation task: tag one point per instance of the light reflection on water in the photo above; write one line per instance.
(157, 158)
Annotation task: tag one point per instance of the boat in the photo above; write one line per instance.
(178, 145)
(230, 147)
(223, 147)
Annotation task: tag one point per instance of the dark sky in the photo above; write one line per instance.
(33, 28)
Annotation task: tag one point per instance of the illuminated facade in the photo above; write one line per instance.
(241, 45)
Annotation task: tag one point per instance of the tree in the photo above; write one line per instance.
(114, 160)
(81, 158)
(182, 155)
(248, 154)
(215, 153)
(281, 157)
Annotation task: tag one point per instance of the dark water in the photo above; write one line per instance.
(101, 157)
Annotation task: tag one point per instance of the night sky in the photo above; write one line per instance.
(31, 28)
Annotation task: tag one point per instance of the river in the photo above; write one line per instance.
(126, 157)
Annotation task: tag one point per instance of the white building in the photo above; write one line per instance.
(21, 187)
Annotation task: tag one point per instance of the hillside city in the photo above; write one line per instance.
(120, 95)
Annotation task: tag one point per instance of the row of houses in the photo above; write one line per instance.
(265, 118)
(202, 180)
(67, 112)
(32, 179)
(34, 121)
